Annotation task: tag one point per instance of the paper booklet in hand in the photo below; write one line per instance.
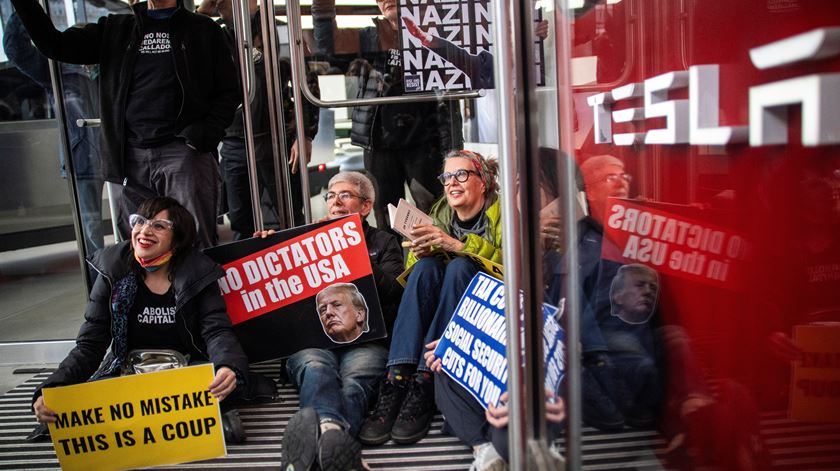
(405, 216)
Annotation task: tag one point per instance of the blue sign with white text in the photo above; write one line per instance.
(472, 348)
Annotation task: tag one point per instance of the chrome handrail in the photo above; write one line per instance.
(88, 122)
(274, 94)
(504, 68)
(298, 83)
(244, 47)
(566, 119)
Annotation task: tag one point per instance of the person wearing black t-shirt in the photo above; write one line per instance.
(154, 291)
(167, 95)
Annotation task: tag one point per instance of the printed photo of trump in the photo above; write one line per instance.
(343, 312)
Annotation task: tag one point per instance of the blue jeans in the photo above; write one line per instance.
(90, 205)
(338, 383)
(429, 300)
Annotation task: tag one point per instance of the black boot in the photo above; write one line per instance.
(376, 429)
(416, 414)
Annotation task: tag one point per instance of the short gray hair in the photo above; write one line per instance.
(359, 180)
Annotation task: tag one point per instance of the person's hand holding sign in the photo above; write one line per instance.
(429, 235)
(264, 234)
(426, 39)
(223, 384)
(43, 413)
(497, 416)
(432, 361)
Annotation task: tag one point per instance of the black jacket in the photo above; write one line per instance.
(386, 258)
(204, 69)
(201, 317)
(259, 106)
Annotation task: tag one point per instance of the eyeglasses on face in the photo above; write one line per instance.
(157, 225)
(462, 175)
(615, 177)
(344, 196)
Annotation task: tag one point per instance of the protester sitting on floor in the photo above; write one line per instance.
(468, 220)
(335, 385)
(158, 269)
(485, 430)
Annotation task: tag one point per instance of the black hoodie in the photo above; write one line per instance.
(203, 66)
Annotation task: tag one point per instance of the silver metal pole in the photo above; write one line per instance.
(299, 82)
(282, 177)
(565, 107)
(509, 149)
(244, 48)
(60, 115)
(112, 206)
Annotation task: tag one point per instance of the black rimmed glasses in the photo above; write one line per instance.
(157, 225)
(461, 175)
(343, 196)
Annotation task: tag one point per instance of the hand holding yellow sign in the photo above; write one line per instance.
(135, 421)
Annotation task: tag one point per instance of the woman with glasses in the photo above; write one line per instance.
(154, 292)
(467, 219)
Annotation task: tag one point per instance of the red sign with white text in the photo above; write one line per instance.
(295, 269)
(672, 244)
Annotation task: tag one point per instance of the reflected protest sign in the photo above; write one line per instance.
(673, 243)
(448, 45)
(554, 341)
(815, 388)
(135, 421)
(473, 349)
(271, 286)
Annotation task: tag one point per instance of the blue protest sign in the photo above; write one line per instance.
(554, 340)
(473, 346)
(472, 349)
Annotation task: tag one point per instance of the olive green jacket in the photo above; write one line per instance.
(489, 247)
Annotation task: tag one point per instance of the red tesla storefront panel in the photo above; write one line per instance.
(725, 119)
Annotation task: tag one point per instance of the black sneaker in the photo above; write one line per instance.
(41, 433)
(232, 427)
(599, 410)
(376, 429)
(300, 441)
(416, 413)
(337, 451)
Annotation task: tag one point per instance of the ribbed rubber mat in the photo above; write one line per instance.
(264, 425)
(790, 445)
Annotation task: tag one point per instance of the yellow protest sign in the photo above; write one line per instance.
(135, 421)
(815, 388)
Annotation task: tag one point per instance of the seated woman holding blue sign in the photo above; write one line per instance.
(468, 219)
(155, 292)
